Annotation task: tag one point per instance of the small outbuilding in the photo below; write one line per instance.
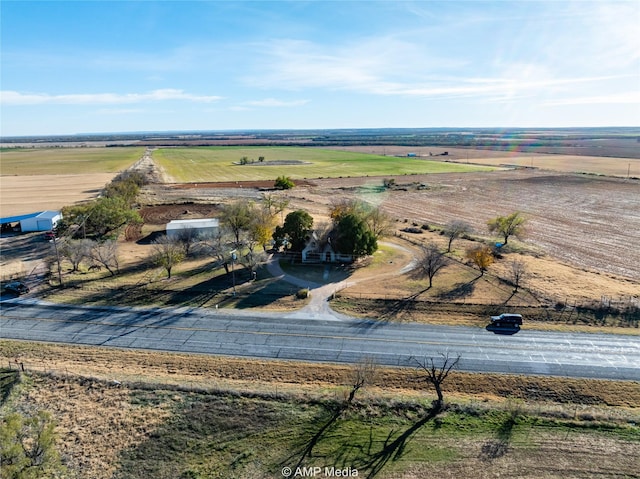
(198, 227)
(40, 221)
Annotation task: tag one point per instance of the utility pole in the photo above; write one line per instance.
(234, 257)
(55, 247)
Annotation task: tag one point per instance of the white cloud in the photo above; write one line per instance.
(366, 65)
(9, 97)
(624, 98)
(388, 66)
(272, 102)
(119, 111)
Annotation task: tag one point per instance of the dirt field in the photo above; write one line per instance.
(36, 179)
(588, 221)
(27, 194)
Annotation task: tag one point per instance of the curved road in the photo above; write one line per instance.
(326, 339)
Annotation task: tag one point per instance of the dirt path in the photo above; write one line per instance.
(150, 168)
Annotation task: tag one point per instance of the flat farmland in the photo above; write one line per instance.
(621, 167)
(27, 194)
(587, 221)
(38, 179)
(61, 161)
(573, 163)
(223, 164)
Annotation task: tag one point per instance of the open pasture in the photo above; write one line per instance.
(223, 164)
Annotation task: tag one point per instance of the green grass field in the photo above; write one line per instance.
(222, 164)
(60, 161)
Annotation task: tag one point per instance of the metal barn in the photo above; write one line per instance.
(40, 221)
(200, 227)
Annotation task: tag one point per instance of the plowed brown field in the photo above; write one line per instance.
(591, 222)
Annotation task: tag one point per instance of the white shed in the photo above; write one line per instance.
(43, 221)
(201, 227)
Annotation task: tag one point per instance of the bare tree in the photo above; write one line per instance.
(106, 254)
(253, 260)
(379, 222)
(517, 273)
(75, 251)
(362, 373)
(431, 261)
(218, 245)
(268, 202)
(455, 229)
(187, 237)
(167, 253)
(436, 373)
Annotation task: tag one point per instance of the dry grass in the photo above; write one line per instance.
(170, 413)
(268, 376)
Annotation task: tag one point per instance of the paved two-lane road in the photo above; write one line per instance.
(267, 336)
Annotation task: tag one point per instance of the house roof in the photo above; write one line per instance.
(15, 219)
(48, 214)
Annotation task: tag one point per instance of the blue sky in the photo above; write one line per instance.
(116, 66)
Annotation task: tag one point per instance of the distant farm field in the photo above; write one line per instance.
(62, 161)
(573, 163)
(37, 179)
(223, 164)
(621, 167)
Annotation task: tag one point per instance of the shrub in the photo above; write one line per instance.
(303, 293)
(284, 183)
